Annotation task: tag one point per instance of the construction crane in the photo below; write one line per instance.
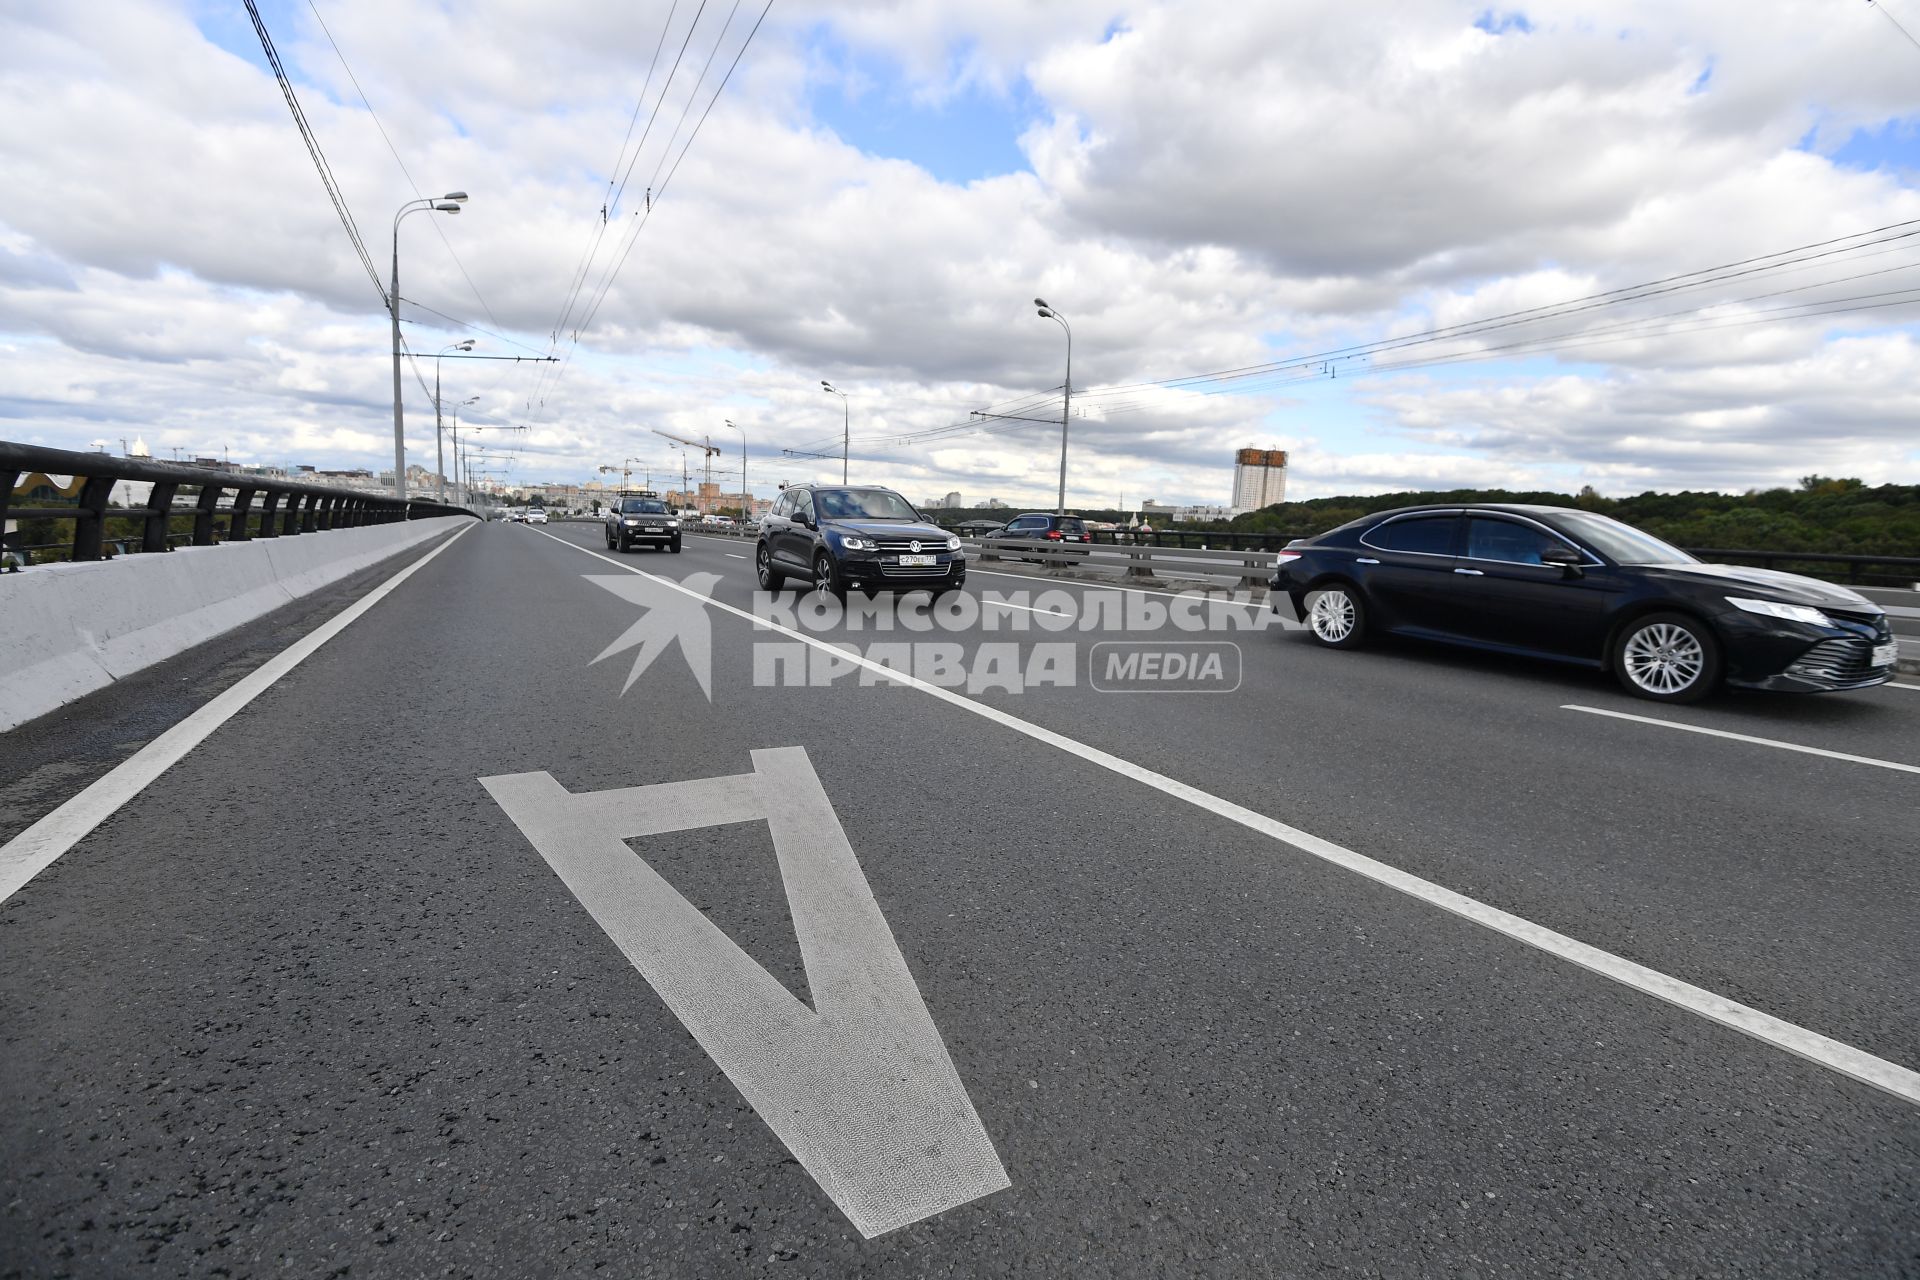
(707, 446)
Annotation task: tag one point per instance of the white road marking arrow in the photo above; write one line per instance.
(859, 1087)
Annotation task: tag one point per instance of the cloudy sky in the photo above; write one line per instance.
(1303, 191)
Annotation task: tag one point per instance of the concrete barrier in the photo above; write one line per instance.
(69, 629)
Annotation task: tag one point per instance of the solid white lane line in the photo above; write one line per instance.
(40, 845)
(1745, 737)
(1897, 685)
(1832, 1054)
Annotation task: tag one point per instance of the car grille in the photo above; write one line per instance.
(1841, 661)
(914, 570)
(898, 545)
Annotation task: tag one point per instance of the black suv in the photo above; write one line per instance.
(1062, 534)
(860, 539)
(642, 520)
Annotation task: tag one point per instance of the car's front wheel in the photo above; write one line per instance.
(826, 577)
(771, 579)
(1668, 657)
(1336, 616)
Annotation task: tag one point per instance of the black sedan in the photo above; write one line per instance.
(1555, 582)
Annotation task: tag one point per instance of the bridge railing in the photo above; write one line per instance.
(219, 506)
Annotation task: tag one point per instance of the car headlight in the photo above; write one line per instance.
(953, 544)
(852, 543)
(631, 520)
(1775, 609)
(673, 524)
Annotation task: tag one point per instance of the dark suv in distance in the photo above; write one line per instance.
(642, 520)
(1066, 534)
(855, 538)
(1558, 582)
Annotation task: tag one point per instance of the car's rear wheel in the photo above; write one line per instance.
(826, 577)
(1336, 616)
(1668, 657)
(771, 579)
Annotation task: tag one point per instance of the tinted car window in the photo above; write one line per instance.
(644, 506)
(1028, 522)
(1624, 543)
(782, 506)
(1429, 535)
(865, 504)
(1072, 526)
(803, 505)
(1505, 540)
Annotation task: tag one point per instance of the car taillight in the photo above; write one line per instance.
(1086, 537)
(1285, 557)
(1053, 535)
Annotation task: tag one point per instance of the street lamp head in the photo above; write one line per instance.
(467, 345)
(447, 206)
(1045, 313)
(1040, 302)
(461, 196)
(826, 384)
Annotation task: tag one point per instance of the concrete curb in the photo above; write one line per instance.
(75, 628)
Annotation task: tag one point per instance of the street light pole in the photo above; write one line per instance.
(1066, 399)
(746, 494)
(439, 460)
(845, 418)
(449, 203)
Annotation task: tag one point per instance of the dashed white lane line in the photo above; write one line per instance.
(1896, 685)
(1747, 737)
(733, 555)
(40, 845)
(1008, 604)
(1856, 1064)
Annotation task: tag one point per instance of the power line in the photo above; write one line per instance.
(313, 150)
(653, 202)
(1613, 297)
(550, 379)
(468, 324)
(1897, 23)
(397, 160)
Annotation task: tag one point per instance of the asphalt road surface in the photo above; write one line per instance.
(1399, 962)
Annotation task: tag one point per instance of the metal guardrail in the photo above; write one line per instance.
(1905, 569)
(286, 507)
(1249, 566)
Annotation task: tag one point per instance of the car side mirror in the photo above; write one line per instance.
(1566, 557)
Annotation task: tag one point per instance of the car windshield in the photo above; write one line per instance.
(644, 506)
(1620, 543)
(863, 504)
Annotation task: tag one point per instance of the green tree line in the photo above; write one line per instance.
(1837, 516)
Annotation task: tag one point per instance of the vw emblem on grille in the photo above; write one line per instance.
(914, 545)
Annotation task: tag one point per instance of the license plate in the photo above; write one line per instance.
(1884, 654)
(919, 560)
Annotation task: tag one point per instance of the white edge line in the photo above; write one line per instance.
(40, 845)
(1834, 1055)
(1897, 685)
(1745, 737)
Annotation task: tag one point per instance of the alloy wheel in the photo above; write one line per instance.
(1663, 658)
(1331, 616)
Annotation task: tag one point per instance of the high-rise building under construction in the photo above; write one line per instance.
(1259, 478)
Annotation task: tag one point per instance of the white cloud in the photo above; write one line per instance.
(1213, 184)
